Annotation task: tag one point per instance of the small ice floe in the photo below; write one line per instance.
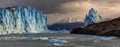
(57, 32)
(13, 38)
(39, 38)
(107, 38)
(103, 38)
(58, 42)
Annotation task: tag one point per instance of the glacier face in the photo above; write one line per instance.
(19, 20)
(92, 17)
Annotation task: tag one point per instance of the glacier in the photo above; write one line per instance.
(92, 17)
(20, 20)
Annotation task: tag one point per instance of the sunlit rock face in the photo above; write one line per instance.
(19, 20)
(92, 17)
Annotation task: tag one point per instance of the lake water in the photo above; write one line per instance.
(57, 40)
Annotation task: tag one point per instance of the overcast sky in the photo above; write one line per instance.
(62, 9)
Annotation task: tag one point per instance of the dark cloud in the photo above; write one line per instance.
(48, 6)
(7, 3)
(61, 9)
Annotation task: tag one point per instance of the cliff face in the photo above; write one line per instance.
(107, 28)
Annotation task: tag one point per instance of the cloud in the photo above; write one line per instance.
(107, 8)
(48, 6)
(7, 3)
(78, 8)
(69, 8)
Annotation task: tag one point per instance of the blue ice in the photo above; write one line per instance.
(58, 41)
(19, 20)
(92, 17)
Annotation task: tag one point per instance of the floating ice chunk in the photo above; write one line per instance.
(58, 41)
(107, 38)
(103, 38)
(56, 32)
(39, 38)
(58, 44)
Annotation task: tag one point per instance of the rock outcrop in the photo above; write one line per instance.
(106, 28)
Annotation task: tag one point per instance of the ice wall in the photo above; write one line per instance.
(19, 20)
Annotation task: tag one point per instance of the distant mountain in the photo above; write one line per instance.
(68, 23)
(106, 28)
(92, 17)
(70, 20)
(65, 26)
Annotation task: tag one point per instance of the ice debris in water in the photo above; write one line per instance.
(92, 17)
(39, 38)
(22, 20)
(24, 38)
(13, 38)
(58, 42)
(107, 38)
(103, 38)
(56, 32)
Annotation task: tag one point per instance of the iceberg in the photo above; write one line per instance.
(19, 20)
(92, 17)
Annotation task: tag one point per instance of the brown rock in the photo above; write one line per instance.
(106, 28)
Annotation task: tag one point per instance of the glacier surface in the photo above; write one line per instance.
(20, 20)
(92, 17)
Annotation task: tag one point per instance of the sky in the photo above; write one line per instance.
(57, 10)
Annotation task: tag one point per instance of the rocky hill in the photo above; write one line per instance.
(106, 28)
